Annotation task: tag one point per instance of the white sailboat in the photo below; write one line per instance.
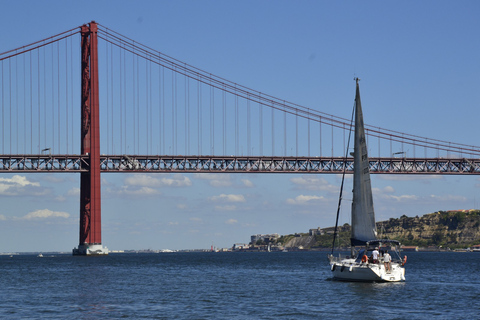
(360, 266)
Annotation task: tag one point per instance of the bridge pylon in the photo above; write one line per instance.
(90, 198)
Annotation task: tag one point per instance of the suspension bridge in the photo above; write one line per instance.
(90, 100)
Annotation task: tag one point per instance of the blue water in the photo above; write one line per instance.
(293, 285)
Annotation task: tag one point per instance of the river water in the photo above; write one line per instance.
(275, 285)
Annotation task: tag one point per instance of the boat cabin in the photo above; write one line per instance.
(391, 245)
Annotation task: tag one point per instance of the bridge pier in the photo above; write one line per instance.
(90, 242)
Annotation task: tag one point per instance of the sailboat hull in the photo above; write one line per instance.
(349, 270)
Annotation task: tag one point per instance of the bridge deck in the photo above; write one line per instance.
(232, 164)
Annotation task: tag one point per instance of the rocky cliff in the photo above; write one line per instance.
(453, 229)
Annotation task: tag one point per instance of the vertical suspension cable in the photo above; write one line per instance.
(284, 129)
(16, 99)
(111, 100)
(188, 115)
(248, 125)
(224, 119)
(236, 126)
(163, 112)
(138, 104)
(320, 135)
(308, 128)
(332, 137)
(261, 126)
(173, 115)
(296, 132)
(107, 86)
(53, 101)
(200, 115)
(273, 130)
(44, 100)
(31, 107)
(71, 95)
(10, 97)
(133, 97)
(24, 97)
(121, 71)
(58, 95)
(66, 91)
(125, 98)
(151, 105)
(3, 115)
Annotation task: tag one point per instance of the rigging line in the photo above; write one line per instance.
(343, 179)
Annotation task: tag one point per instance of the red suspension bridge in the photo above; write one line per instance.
(143, 111)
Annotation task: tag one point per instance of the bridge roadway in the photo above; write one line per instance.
(234, 164)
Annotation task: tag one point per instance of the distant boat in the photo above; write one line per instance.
(40, 255)
(359, 266)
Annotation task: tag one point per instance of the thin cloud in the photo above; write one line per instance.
(228, 198)
(312, 183)
(149, 181)
(231, 221)
(45, 214)
(20, 186)
(247, 183)
(304, 200)
(215, 179)
(226, 208)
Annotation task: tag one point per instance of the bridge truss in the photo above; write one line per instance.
(233, 164)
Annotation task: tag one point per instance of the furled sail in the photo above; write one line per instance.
(363, 216)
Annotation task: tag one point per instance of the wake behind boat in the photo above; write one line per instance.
(371, 259)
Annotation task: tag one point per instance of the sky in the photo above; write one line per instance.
(419, 66)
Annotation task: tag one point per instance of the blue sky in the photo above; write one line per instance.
(419, 67)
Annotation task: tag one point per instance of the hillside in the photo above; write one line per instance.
(453, 229)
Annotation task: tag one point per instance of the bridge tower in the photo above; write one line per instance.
(90, 201)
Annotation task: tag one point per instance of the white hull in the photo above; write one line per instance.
(349, 270)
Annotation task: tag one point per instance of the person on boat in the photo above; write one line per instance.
(375, 254)
(386, 261)
(365, 258)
